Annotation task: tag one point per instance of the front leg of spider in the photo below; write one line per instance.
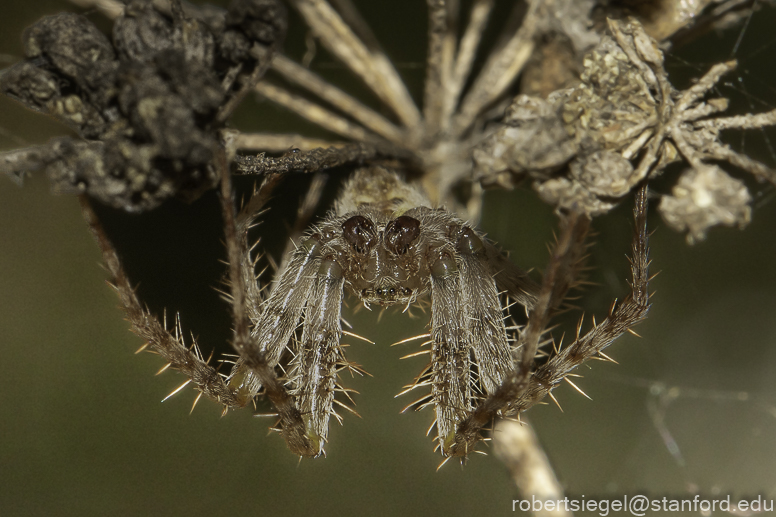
(309, 290)
(315, 365)
(527, 384)
(466, 319)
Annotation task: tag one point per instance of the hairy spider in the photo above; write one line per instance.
(385, 244)
(151, 130)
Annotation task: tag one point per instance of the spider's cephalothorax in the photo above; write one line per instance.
(384, 244)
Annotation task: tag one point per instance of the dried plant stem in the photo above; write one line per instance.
(749, 121)
(272, 142)
(313, 160)
(109, 8)
(442, 16)
(518, 448)
(467, 51)
(500, 70)
(759, 170)
(314, 113)
(265, 59)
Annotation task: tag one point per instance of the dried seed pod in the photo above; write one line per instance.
(70, 44)
(249, 22)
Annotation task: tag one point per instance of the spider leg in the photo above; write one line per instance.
(314, 368)
(450, 375)
(467, 318)
(159, 340)
(256, 367)
(188, 360)
(510, 278)
(481, 312)
(280, 314)
(524, 388)
(621, 318)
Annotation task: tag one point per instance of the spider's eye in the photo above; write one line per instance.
(359, 232)
(401, 233)
(468, 242)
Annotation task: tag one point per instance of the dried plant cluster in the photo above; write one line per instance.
(150, 108)
(146, 104)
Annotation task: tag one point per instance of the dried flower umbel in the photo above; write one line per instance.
(584, 148)
(622, 124)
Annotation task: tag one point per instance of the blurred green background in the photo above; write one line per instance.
(690, 408)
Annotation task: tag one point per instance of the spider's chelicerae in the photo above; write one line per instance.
(150, 108)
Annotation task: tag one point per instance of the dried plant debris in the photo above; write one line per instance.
(147, 105)
(704, 197)
(588, 146)
(682, 20)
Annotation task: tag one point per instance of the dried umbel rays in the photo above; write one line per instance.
(147, 105)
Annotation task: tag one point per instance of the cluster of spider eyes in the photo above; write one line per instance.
(405, 291)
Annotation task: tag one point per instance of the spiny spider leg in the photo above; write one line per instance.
(482, 316)
(158, 339)
(522, 390)
(466, 317)
(280, 314)
(451, 364)
(254, 362)
(320, 353)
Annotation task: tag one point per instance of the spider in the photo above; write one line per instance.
(385, 244)
(388, 240)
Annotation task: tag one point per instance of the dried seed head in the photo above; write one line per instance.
(148, 104)
(706, 197)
